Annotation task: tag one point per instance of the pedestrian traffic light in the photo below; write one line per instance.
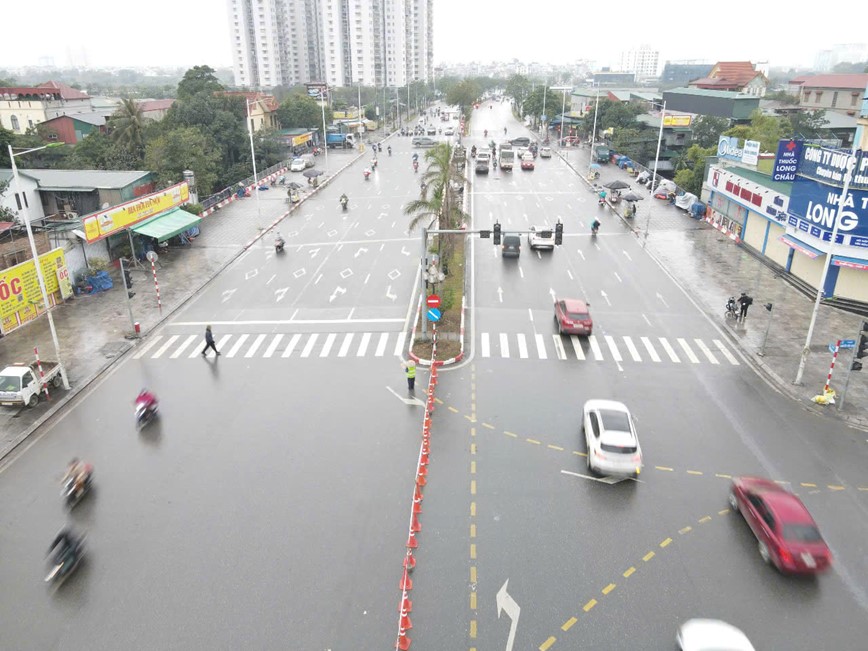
(861, 348)
(559, 233)
(497, 233)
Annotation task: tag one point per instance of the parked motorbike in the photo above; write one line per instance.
(732, 310)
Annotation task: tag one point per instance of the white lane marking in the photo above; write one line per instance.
(522, 346)
(224, 341)
(611, 481)
(540, 346)
(632, 348)
(706, 351)
(485, 345)
(273, 346)
(559, 346)
(237, 345)
(189, 340)
(669, 350)
(504, 345)
(616, 354)
(577, 347)
(163, 348)
(722, 348)
(381, 345)
(256, 344)
(618, 277)
(345, 344)
(650, 348)
(363, 344)
(326, 349)
(595, 348)
(399, 345)
(311, 342)
(688, 350)
(290, 321)
(647, 320)
(144, 349)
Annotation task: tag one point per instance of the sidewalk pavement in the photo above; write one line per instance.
(92, 329)
(711, 267)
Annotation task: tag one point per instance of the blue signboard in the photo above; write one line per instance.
(433, 314)
(830, 165)
(787, 160)
(817, 203)
(848, 343)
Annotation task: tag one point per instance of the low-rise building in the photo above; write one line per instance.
(71, 129)
(23, 107)
(735, 76)
(155, 109)
(262, 108)
(839, 93)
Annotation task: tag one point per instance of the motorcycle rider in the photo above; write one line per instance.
(279, 242)
(595, 226)
(344, 200)
(66, 543)
(374, 163)
(367, 173)
(602, 198)
(79, 472)
(389, 149)
(147, 400)
(485, 134)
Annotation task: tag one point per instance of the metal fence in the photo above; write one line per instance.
(225, 193)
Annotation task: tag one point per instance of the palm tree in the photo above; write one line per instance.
(128, 127)
(439, 199)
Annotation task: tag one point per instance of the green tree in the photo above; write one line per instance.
(707, 130)
(464, 94)
(691, 168)
(518, 87)
(767, 129)
(127, 127)
(298, 111)
(7, 137)
(619, 115)
(180, 149)
(98, 151)
(805, 123)
(782, 96)
(439, 199)
(199, 79)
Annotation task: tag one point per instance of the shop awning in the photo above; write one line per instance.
(168, 224)
(850, 263)
(800, 246)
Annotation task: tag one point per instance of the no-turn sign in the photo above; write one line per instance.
(433, 301)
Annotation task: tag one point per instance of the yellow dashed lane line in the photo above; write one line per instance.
(697, 473)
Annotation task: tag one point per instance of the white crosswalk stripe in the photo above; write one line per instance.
(349, 344)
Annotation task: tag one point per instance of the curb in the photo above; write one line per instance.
(86, 382)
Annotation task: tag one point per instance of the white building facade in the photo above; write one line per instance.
(642, 62)
(341, 42)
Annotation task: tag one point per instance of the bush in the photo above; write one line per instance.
(97, 264)
(194, 208)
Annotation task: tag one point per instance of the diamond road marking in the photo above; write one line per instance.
(299, 273)
(394, 274)
(331, 233)
(346, 273)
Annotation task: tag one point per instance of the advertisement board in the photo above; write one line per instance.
(729, 149)
(829, 166)
(787, 160)
(817, 203)
(677, 120)
(19, 285)
(101, 224)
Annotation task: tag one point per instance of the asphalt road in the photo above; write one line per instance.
(268, 507)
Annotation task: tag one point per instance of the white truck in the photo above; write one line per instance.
(507, 158)
(20, 384)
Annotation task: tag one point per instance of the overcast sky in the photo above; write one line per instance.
(190, 32)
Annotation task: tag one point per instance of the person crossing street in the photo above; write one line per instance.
(209, 342)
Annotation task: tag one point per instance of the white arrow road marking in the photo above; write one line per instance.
(313, 253)
(251, 274)
(407, 401)
(272, 346)
(404, 252)
(500, 294)
(360, 251)
(338, 290)
(382, 214)
(605, 296)
(189, 340)
(618, 277)
(661, 299)
(389, 293)
(227, 295)
(280, 293)
(553, 295)
(513, 610)
(603, 480)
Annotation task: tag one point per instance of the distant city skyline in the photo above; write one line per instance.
(172, 34)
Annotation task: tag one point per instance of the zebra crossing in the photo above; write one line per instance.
(265, 346)
(502, 345)
(655, 350)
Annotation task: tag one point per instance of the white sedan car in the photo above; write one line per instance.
(711, 635)
(297, 165)
(613, 448)
(545, 152)
(541, 238)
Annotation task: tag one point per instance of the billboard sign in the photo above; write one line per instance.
(817, 204)
(787, 160)
(318, 90)
(830, 166)
(728, 149)
(677, 120)
(100, 225)
(19, 285)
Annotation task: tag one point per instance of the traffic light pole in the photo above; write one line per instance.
(127, 286)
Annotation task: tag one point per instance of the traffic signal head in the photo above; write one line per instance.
(559, 233)
(128, 278)
(862, 346)
(497, 232)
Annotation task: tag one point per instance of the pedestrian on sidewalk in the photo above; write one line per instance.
(745, 302)
(209, 342)
(409, 367)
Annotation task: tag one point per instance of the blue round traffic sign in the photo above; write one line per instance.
(433, 314)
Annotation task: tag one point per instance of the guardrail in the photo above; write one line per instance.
(225, 193)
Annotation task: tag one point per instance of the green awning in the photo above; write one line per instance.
(167, 224)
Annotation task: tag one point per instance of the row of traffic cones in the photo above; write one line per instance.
(406, 584)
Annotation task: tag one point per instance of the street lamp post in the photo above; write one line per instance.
(325, 143)
(654, 175)
(253, 158)
(594, 132)
(563, 108)
(36, 258)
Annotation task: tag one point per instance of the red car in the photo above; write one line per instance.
(573, 317)
(786, 533)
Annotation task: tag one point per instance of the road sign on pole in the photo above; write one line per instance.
(848, 343)
(434, 301)
(433, 314)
